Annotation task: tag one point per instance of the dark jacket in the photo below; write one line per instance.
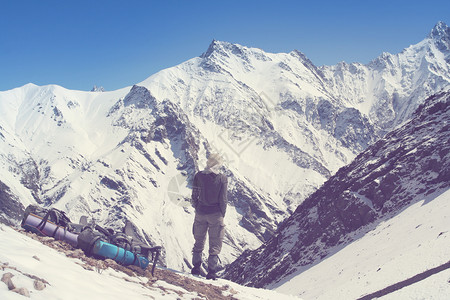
(209, 193)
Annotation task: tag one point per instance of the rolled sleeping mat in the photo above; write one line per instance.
(34, 223)
(119, 254)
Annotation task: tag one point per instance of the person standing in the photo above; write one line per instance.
(209, 198)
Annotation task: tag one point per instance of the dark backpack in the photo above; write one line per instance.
(92, 232)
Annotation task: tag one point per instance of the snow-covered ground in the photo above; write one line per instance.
(416, 240)
(25, 257)
(397, 249)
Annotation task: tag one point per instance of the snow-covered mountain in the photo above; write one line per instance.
(411, 164)
(283, 125)
(391, 87)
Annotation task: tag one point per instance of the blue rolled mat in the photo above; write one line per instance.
(119, 254)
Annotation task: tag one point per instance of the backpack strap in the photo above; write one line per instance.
(59, 218)
(143, 249)
(155, 251)
(41, 225)
(102, 230)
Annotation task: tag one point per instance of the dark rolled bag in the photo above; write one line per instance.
(49, 222)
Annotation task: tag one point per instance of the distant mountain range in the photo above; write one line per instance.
(283, 125)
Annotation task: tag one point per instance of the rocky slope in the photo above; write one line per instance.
(408, 164)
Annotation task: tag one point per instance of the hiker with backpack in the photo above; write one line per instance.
(209, 198)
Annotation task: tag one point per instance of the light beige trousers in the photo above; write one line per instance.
(214, 226)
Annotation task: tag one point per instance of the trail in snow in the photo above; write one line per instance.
(399, 285)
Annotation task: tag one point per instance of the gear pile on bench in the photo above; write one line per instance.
(123, 247)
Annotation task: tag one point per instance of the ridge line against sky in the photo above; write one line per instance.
(114, 44)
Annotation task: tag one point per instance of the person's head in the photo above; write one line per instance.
(215, 161)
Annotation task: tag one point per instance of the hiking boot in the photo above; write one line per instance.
(211, 275)
(196, 271)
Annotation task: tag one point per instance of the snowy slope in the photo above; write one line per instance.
(283, 125)
(111, 156)
(410, 165)
(117, 155)
(415, 240)
(66, 278)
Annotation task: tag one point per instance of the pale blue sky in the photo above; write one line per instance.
(78, 43)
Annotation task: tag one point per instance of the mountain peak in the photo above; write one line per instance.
(440, 30)
(216, 46)
(96, 88)
(441, 35)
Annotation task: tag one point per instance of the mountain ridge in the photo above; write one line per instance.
(407, 165)
(283, 126)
